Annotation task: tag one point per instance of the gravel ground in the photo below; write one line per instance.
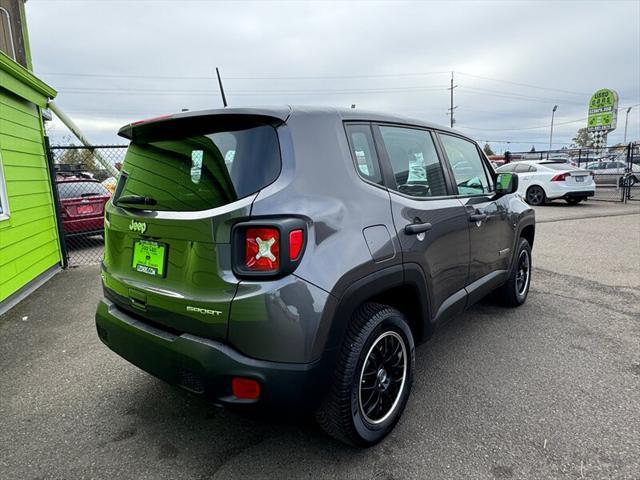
(549, 390)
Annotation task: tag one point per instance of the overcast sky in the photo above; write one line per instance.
(114, 61)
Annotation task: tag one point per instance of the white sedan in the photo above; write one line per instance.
(539, 182)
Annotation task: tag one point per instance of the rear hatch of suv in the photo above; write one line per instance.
(183, 184)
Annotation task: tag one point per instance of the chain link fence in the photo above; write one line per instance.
(616, 170)
(82, 187)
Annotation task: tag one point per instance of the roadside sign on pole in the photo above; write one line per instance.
(603, 111)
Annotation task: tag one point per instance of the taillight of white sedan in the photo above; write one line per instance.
(540, 182)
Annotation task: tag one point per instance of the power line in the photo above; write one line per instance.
(513, 141)
(130, 91)
(521, 95)
(528, 85)
(515, 96)
(261, 76)
(539, 127)
(524, 128)
(238, 76)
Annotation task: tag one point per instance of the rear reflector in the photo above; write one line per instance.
(262, 249)
(245, 388)
(296, 239)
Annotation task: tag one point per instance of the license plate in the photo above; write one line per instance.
(85, 209)
(579, 179)
(149, 257)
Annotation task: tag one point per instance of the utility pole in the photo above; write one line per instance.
(452, 120)
(626, 121)
(553, 112)
(224, 99)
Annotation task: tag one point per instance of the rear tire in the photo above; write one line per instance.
(535, 195)
(514, 292)
(372, 379)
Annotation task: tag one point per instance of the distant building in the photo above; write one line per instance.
(29, 242)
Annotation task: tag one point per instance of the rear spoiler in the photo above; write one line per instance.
(202, 122)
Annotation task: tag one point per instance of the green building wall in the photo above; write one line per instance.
(29, 243)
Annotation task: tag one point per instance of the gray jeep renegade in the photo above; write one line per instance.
(293, 257)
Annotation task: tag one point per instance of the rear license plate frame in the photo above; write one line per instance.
(149, 266)
(85, 209)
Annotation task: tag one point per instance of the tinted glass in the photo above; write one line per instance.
(200, 172)
(466, 163)
(364, 152)
(414, 161)
(81, 189)
(509, 167)
(521, 168)
(558, 166)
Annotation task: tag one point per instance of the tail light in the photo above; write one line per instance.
(270, 248)
(561, 177)
(296, 241)
(262, 249)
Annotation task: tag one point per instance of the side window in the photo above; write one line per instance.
(467, 166)
(11, 41)
(509, 167)
(520, 168)
(532, 169)
(4, 201)
(414, 161)
(6, 35)
(364, 153)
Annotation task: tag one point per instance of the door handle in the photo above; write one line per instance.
(415, 228)
(477, 217)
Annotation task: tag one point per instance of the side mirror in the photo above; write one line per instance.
(506, 183)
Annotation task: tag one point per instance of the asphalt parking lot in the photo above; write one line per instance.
(549, 390)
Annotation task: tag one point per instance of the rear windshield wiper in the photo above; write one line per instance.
(135, 200)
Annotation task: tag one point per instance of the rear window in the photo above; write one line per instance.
(81, 189)
(199, 172)
(557, 166)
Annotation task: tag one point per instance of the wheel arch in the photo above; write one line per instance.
(401, 287)
(528, 232)
(536, 184)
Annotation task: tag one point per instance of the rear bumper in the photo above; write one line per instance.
(579, 194)
(84, 225)
(206, 367)
(561, 192)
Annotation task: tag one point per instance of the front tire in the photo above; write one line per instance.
(514, 292)
(535, 195)
(373, 377)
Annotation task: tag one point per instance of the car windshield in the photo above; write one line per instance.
(81, 189)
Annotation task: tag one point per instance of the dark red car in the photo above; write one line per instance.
(82, 201)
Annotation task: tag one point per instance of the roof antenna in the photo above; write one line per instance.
(224, 98)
